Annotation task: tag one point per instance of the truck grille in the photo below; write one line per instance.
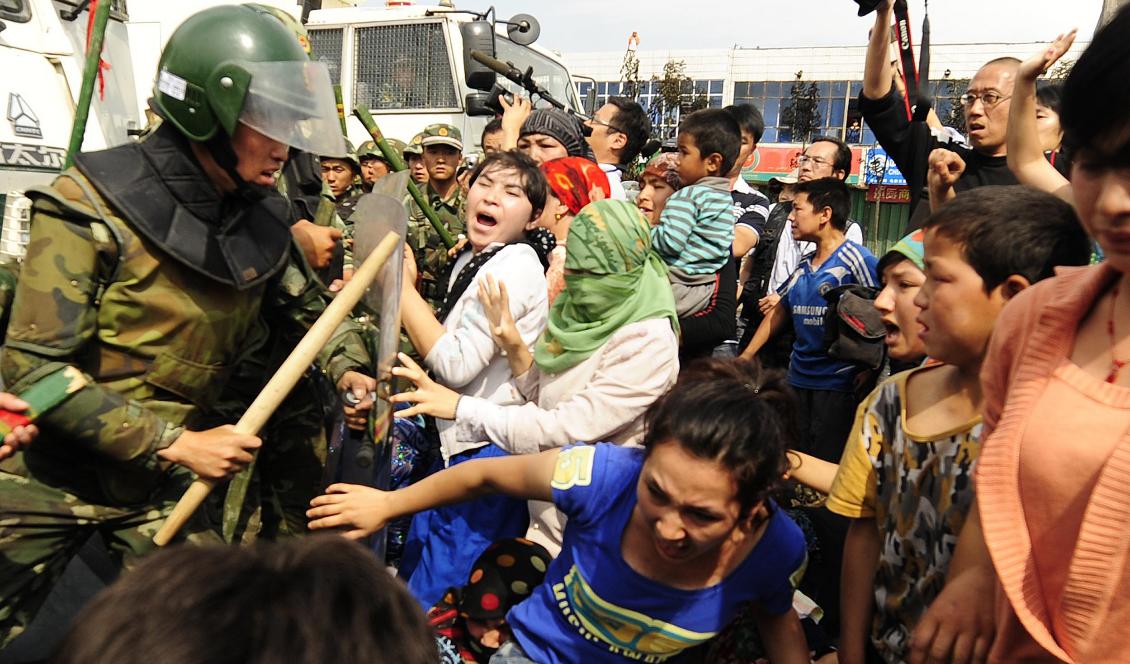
(403, 67)
(325, 46)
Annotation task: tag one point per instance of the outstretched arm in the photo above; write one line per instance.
(360, 511)
(1025, 155)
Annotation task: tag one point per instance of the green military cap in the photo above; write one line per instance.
(369, 149)
(442, 134)
(349, 158)
(415, 146)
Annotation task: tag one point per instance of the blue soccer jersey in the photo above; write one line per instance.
(803, 296)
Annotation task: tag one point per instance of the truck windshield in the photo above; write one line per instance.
(548, 74)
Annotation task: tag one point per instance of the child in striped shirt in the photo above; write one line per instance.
(696, 228)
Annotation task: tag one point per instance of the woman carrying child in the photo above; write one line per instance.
(663, 543)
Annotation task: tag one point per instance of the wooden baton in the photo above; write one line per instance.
(286, 377)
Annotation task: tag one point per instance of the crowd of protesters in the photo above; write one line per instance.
(674, 421)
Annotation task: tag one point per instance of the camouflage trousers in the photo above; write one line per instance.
(42, 528)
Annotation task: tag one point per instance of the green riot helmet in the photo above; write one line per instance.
(236, 64)
(288, 21)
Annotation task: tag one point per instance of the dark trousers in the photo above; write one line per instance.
(826, 418)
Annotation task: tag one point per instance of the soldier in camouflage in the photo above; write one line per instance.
(443, 150)
(152, 268)
(414, 159)
(374, 166)
(340, 174)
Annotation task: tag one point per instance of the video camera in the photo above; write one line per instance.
(868, 6)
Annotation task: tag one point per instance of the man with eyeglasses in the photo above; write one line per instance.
(620, 129)
(910, 143)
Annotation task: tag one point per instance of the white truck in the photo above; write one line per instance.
(411, 65)
(42, 47)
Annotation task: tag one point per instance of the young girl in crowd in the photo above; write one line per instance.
(504, 203)
(663, 544)
(608, 353)
(573, 182)
(1052, 477)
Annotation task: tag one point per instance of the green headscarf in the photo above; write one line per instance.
(612, 278)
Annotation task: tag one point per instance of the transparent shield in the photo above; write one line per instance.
(293, 103)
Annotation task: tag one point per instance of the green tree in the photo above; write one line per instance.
(953, 113)
(802, 114)
(630, 75)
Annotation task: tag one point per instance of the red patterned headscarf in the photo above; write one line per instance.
(665, 166)
(576, 182)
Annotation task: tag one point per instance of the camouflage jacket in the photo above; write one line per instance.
(155, 340)
(431, 254)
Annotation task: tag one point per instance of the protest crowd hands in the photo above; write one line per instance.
(429, 397)
(357, 511)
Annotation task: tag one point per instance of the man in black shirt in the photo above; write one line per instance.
(910, 143)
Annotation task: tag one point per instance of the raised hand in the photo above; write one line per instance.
(496, 304)
(945, 168)
(357, 510)
(1039, 63)
(429, 397)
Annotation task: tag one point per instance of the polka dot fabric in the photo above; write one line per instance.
(505, 574)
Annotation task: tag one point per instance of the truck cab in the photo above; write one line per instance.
(411, 66)
(42, 50)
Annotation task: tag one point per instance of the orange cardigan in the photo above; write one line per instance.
(1032, 337)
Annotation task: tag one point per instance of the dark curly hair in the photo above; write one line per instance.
(734, 413)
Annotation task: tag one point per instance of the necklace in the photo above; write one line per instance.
(1115, 363)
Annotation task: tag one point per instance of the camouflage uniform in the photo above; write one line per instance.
(157, 341)
(431, 254)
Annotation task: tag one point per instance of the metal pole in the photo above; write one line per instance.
(89, 74)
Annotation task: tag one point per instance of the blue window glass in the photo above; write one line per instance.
(825, 88)
(716, 87)
(757, 90)
(741, 90)
(868, 135)
(613, 88)
(773, 89)
(770, 135)
(836, 115)
(839, 89)
(770, 111)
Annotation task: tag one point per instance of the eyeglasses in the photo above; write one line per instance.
(602, 123)
(816, 161)
(989, 99)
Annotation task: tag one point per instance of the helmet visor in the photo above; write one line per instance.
(293, 103)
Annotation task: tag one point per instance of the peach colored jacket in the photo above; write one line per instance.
(1032, 337)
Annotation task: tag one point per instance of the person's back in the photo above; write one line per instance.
(906, 474)
(696, 228)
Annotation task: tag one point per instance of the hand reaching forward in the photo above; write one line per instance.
(429, 397)
(358, 511)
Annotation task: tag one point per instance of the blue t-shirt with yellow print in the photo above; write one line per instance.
(593, 607)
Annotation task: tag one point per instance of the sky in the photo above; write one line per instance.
(604, 25)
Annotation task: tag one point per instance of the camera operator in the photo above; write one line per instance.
(912, 144)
